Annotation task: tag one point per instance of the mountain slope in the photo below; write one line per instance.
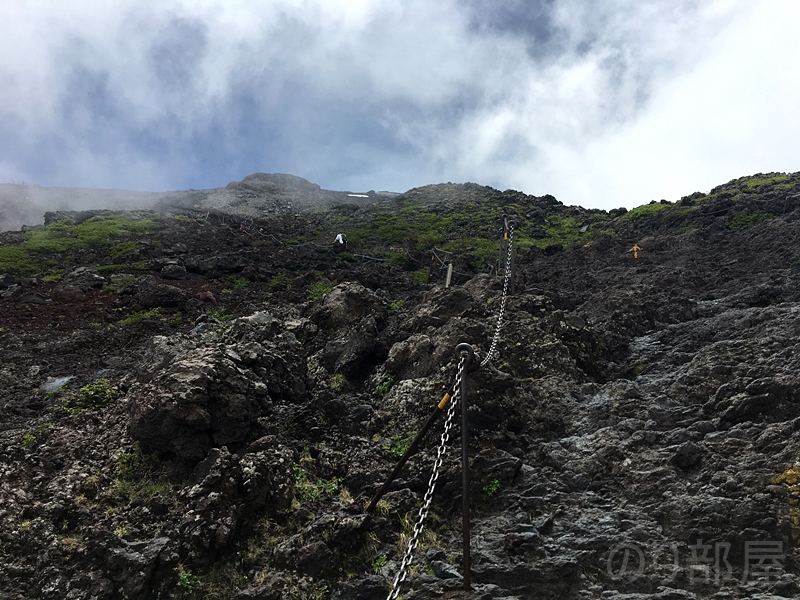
(193, 410)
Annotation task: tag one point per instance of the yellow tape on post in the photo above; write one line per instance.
(445, 401)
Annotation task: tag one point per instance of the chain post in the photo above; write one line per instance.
(461, 349)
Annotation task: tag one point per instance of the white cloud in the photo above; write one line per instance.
(598, 103)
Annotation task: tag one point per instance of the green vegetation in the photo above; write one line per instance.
(379, 563)
(53, 276)
(307, 491)
(222, 315)
(123, 248)
(279, 282)
(491, 488)
(28, 440)
(754, 182)
(239, 283)
(742, 219)
(319, 288)
(17, 262)
(137, 317)
(93, 396)
(399, 444)
(645, 210)
(187, 582)
(338, 383)
(420, 276)
(97, 231)
(134, 477)
(396, 305)
(383, 387)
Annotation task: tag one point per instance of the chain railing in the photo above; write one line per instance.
(501, 312)
(402, 573)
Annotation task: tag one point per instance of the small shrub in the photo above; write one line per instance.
(491, 488)
(239, 283)
(379, 563)
(279, 282)
(399, 444)
(382, 388)
(187, 582)
(319, 288)
(93, 396)
(28, 440)
(396, 305)
(338, 383)
(222, 315)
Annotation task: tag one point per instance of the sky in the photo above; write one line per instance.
(602, 104)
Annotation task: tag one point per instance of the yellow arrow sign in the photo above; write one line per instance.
(635, 250)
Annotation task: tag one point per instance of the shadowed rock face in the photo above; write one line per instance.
(192, 410)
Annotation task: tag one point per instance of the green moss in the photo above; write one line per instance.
(645, 210)
(743, 219)
(53, 276)
(137, 317)
(754, 182)
(97, 231)
(420, 276)
(16, 261)
(123, 248)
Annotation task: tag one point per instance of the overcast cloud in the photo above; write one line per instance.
(602, 104)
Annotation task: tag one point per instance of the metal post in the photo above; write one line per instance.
(449, 275)
(466, 566)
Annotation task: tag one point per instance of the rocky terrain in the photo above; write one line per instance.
(257, 195)
(191, 409)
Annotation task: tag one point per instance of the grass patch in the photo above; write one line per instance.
(238, 283)
(93, 396)
(97, 231)
(306, 490)
(743, 219)
(319, 288)
(279, 282)
(338, 383)
(123, 248)
(420, 275)
(754, 182)
(137, 317)
(16, 261)
(644, 211)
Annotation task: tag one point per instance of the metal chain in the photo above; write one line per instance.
(423, 511)
(506, 277)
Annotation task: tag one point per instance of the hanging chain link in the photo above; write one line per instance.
(402, 573)
(423, 511)
(506, 278)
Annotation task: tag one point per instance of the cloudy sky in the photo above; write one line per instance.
(602, 104)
